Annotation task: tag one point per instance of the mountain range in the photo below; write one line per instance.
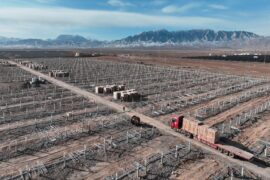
(190, 38)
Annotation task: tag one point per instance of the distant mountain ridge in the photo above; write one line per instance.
(61, 41)
(189, 36)
(75, 38)
(149, 38)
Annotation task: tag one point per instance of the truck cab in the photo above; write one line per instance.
(176, 122)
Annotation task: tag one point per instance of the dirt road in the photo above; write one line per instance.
(264, 172)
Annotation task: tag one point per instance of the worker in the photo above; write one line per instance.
(124, 108)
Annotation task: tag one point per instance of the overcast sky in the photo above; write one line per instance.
(114, 19)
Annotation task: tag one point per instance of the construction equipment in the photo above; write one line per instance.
(34, 82)
(197, 130)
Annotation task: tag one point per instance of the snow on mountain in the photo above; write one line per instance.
(189, 38)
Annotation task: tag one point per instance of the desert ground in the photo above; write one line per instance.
(63, 129)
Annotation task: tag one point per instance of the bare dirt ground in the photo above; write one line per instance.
(177, 58)
(143, 151)
(204, 168)
(259, 130)
(144, 118)
(248, 136)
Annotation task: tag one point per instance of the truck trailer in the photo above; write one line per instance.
(195, 129)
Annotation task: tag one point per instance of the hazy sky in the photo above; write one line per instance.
(114, 19)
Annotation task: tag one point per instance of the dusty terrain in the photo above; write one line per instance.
(177, 58)
(258, 130)
(91, 118)
(204, 168)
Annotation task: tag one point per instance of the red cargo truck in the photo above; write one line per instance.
(197, 130)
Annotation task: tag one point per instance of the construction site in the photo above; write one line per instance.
(135, 116)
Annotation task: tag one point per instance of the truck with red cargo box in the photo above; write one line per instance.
(197, 130)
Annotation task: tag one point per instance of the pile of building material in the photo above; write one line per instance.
(108, 89)
(119, 92)
(99, 89)
(128, 95)
(6, 63)
(35, 66)
(58, 73)
(201, 131)
(25, 63)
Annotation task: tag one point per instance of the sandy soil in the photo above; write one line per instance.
(204, 168)
(157, 145)
(259, 130)
(177, 58)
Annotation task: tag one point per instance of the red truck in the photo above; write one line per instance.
(197, 130)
